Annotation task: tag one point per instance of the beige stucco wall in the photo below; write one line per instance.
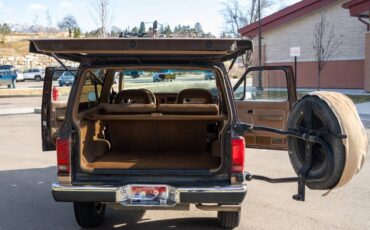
(367, 63)
(300, 32)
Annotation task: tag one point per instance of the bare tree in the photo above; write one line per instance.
(68, 23)
(49, 21)
(4, 30)
(237, 16)
(102, 13)
(325, 43)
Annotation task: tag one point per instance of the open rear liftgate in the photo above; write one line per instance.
(309, 136)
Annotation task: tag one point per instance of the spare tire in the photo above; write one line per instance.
(328, 117)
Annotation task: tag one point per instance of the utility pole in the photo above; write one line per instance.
(259, 88)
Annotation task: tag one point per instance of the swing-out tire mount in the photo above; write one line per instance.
(310, 137)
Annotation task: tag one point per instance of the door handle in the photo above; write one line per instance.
(60, 118)
(270, 118)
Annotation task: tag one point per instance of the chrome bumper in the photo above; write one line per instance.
(221, 195)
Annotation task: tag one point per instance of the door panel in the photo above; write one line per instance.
(57, 117)
(270, 114)
(52, 111)
(268, 105)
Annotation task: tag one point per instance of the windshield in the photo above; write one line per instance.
(167, 80)
(68, 74)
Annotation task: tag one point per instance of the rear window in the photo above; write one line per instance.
(167, 80)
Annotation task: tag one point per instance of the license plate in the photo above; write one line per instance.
(149, 195)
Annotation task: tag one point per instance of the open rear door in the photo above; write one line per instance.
(53, 108)
(264, 96)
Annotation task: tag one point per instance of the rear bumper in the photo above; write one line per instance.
(217, 195)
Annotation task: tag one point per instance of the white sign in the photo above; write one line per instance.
(295, 51)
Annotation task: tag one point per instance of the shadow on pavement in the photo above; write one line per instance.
(26, 203)
(128, 220)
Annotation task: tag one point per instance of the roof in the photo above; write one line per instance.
(357, 7)
(141, 49)
(284, 16)
(6, 67)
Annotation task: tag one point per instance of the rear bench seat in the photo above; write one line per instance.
(165, 109)
(188, 109)
(127, 108)
(147, 128)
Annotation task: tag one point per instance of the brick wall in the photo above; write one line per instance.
(300, 32)
(337, 74)
(367, 63)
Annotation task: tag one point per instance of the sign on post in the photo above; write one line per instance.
(295, 51)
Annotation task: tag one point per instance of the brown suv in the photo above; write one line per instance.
(166, 145)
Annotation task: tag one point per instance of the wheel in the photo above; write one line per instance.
(323, 118)
(89, 214)
(228, 220)
(37, 78)
(61, 85)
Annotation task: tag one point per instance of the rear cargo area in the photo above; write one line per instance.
(159, 140)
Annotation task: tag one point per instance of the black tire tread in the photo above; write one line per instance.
(86, 215)
(228, 220)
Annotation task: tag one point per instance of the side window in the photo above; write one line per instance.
(91, 91)
(265, 85)
(63, 87)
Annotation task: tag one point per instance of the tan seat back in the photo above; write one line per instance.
(135, 96)
(195, 96)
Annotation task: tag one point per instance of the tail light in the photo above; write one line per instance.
(238, 150)
(63, 155)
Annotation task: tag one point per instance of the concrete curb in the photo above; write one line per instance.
(16, 111)
(37, 110)
(29, 92)
(20, 92)
(20, 111)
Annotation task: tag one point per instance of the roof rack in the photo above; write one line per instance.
(144, 49)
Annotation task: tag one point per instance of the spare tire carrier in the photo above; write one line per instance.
(310, 137)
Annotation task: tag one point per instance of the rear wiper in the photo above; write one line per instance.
(61, 63)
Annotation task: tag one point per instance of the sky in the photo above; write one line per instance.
(127, 13)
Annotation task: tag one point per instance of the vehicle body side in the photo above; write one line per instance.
(7, 75)
(33, 74)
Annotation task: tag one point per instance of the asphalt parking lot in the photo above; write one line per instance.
(26, 174)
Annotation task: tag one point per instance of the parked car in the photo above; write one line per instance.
(133, 73)
(168, 146)
(59, 73)
(8, 76)
(20, 76)
(209, 75)
(67, 78)
(34, 74)
(166, 75)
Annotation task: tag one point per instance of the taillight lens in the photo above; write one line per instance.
(238, 150)
(63, 155)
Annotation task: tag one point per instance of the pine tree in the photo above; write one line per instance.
(142, 29)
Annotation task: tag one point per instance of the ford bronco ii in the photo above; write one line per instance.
(143, 145)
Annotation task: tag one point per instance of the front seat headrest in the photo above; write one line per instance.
(195, 96)
(137, 96)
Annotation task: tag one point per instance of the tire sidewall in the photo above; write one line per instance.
(324, 113)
